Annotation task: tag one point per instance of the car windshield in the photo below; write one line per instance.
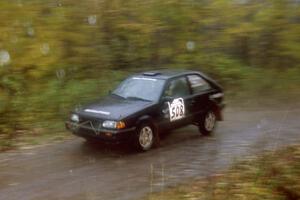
(140, 88)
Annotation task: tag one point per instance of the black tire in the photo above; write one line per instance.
(207, 122)
(146, 137)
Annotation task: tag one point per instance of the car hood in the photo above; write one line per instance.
(113, 107)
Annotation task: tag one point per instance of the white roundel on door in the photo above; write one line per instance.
(176, 109)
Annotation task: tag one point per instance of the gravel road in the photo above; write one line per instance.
(75, 169)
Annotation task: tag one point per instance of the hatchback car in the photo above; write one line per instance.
(145, 105)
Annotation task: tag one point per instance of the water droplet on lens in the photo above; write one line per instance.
(4, 57)
(190, 45)
(45, 48)
(92, 19)
(60, 74)
(30, 31)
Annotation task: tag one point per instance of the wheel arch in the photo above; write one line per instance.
(216, 109)
(148, 119)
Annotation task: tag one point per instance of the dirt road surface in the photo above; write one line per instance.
(75, 169)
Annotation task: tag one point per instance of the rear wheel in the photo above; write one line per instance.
(207, 122)
(145, 137)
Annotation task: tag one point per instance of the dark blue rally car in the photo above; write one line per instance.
(145, 105)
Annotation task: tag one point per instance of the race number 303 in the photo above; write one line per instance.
(176, 109)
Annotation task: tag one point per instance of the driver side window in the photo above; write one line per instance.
(177, 88)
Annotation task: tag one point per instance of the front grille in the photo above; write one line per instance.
(90, 123)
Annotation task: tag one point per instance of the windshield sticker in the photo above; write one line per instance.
(142, 78)
(97, 111)
(176, 109)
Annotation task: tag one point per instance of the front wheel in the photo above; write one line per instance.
(207, 123)
(145, 137)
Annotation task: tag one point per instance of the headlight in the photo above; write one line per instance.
(113, 124)
(74, 118)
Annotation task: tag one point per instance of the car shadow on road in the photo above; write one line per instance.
(168, 140)
(99, 147)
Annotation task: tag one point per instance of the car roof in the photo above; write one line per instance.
(166, 73)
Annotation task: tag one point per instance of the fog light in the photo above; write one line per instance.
(74, 118)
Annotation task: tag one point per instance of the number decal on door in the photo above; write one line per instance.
(176, 109)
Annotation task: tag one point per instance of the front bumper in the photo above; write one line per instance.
(107, 135)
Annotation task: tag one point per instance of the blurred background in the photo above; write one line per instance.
(58, 54)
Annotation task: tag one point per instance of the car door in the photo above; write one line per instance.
(177, 102)
(201, 91)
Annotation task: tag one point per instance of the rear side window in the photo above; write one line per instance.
(177, 88)
(198, 84)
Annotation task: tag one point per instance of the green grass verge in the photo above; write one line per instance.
(274, 175)
(41, 134)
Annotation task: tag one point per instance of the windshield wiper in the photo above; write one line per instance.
(137, 98)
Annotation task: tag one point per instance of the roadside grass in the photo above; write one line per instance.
(40, 135)
(43, 121)
(273, 175)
